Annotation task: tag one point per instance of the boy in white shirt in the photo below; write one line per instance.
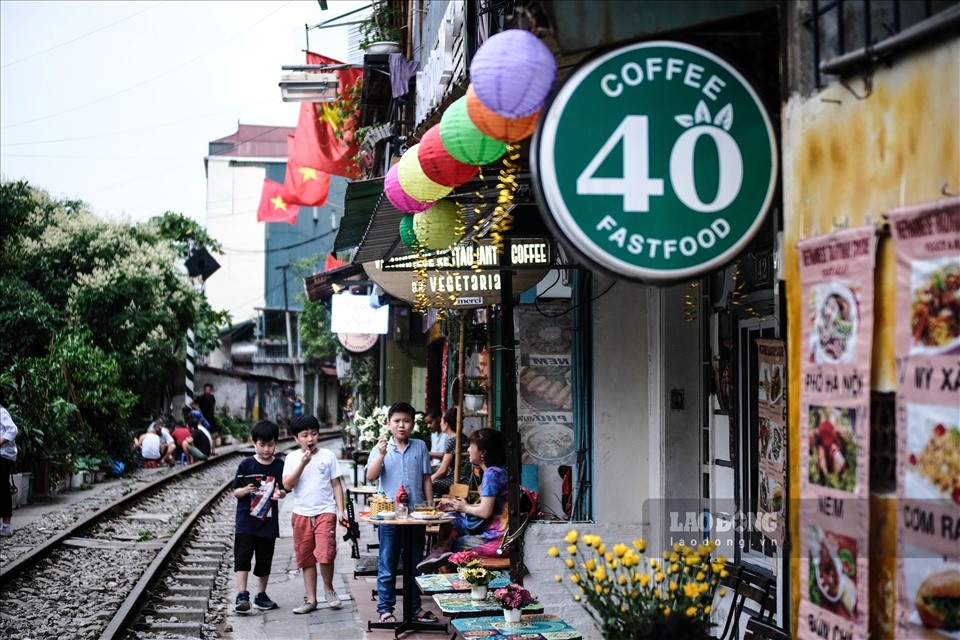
(312, 476)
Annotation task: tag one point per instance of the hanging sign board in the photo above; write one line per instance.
(358, 314)
(655, 161)
(356, 343)
(466, 275)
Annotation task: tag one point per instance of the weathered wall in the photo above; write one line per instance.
(846, 161)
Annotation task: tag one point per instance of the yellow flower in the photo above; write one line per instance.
(640, 544)
(558, 577)
(601, 548)
(701, 576)
(707, 609)
(674, 586)
(575, 577)
(678, 546)
(674, 557)
(571, 536)
(598, 588)
(723, 592)
(553, 551)
(569, 563)
(620, 550)
(600, 574)
(590, 564)
(576, 597)
(691, 590)
(622, 580)
(644, 579)
(666, 611)
(659, 576)
(691, 611)
(572, 549)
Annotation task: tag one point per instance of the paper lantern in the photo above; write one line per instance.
(400, 198)
(513, 73)
(496, 126)
(440, 226)
(463, 140)
(407, 233)
(415, 182)
(439, 165)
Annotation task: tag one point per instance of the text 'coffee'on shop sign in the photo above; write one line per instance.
(656, 161)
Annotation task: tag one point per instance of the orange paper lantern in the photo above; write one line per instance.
(496, 126)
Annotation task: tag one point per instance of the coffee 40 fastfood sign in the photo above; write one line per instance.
(656, 161)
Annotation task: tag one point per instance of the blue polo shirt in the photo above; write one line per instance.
(405, 468)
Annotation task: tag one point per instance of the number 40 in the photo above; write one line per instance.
(636, 186)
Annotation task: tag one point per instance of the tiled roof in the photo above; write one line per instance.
(253, 141)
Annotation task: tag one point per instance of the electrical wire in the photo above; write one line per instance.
(89, 33)
(148, 80)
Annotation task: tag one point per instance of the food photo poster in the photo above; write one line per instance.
(926, 242)
(772, 432)
(837, 289)
(544, 390)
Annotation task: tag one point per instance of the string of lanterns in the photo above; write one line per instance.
(511, 75)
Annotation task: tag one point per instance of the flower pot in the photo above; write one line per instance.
(478, 592)
(511, 615)
(380, 48)
(76, 480)
(473, 402)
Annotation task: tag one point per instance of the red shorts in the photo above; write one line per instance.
(314, 539)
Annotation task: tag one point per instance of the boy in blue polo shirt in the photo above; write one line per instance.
(405, 462)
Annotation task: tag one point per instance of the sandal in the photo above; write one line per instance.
(387, 617)
(425, 616)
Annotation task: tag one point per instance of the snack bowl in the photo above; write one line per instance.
(388, 515)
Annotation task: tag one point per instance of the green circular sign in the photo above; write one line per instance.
(656, 161)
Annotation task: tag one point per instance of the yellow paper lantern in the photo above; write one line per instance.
(415, 182)
(440, 226)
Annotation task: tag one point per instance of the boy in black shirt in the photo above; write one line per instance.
(257, 487)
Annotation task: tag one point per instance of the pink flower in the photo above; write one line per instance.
(462, 558)
(513, 596)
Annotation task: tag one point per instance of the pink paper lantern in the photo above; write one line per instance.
(496, 126)
(400, 198)
(513, 73)
(439, 165)
(415, 182)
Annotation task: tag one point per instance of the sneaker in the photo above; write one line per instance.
(434, 561)
(332, 599)
(308, 607)
(6, 530)
(263, 601)
(243, 601)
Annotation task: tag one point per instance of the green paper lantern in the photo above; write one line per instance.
(440, 226)
(463, 140)
(407, 233)
(415, 182)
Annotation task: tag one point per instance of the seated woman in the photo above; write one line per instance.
(442, 477)
(478, 527)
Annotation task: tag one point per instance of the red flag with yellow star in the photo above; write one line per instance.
(273, 207)
(329, 126)
(304, 184)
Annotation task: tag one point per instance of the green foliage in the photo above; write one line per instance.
(100, 310)
(230, 425)
(315, 335)
(381, 26)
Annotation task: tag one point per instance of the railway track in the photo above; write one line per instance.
(142, 566)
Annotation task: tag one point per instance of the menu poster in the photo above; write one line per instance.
(836, 277)
(544, 392)
(772, 451)
(927, 334)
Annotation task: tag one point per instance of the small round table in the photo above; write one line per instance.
(362, 490)
(409, 577)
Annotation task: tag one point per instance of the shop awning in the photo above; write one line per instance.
(359, 203)
(320, 285)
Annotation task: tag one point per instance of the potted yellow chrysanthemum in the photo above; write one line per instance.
(631, 596)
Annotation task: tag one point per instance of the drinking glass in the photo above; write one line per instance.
(402, 511)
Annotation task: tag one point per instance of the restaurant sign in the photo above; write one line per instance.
(466, 275)
(655, 161)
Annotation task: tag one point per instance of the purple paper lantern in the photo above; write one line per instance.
(513, 73)
(400, 198)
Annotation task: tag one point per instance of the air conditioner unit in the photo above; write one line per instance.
(309, 87)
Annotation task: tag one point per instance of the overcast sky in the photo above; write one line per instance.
(114, 103)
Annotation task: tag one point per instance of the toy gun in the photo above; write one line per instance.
(353, 531)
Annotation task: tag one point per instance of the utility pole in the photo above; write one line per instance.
(286, 312)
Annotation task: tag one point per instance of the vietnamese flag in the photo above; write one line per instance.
(332, 262)
(273, 207)
(321, 121)
(304, 184)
